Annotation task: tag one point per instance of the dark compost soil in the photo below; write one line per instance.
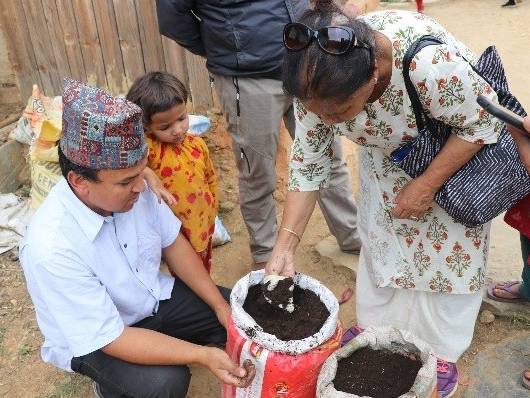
(307, 318)
(376, 373)
(280, 295)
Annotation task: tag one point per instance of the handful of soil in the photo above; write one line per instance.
(278, 292)
(376, 373)
(308, 316)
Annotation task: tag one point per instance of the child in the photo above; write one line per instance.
(180, 161)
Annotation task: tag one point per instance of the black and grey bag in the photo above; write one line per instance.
(495, 178)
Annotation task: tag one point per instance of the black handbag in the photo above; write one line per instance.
(495, 178)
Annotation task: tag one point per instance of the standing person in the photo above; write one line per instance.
(91, 258)
(419, 6)
(419, 270)
(518, 217)
(242, 43)
(181, 162)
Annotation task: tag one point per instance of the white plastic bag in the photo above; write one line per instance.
(199, 125)
(391, 339)
(220, 234)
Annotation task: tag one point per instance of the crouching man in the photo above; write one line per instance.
(91, 259)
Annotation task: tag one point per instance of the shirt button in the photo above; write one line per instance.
(125, 245)
(151, 290)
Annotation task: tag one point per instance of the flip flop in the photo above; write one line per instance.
(507, 287)
(350, 334)
(346, 296)
(525, 381)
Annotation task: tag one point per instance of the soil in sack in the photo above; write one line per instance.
(376, 373)
(307, 318)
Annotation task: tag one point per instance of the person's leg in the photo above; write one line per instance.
(120, 379)
(514, 291)
(419, 6)
(524, 288)
(336, 201)
(254, 128)
(186, 316)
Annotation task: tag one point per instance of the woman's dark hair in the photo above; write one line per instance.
(157, 92)
(67, 166)
(312, 73)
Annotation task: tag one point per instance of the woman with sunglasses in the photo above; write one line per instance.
(419, 270)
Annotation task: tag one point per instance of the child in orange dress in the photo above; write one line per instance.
(181, 161)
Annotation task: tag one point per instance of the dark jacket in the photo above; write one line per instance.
(237, 37)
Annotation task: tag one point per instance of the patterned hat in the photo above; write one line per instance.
(100, 131)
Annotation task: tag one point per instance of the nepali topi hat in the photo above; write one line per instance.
(100, 131)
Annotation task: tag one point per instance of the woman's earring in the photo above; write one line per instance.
(375, 80)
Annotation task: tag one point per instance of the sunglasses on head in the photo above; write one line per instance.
(334, 40)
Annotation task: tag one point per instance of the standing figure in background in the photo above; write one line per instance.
(242, 43)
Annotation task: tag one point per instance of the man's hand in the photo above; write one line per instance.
(414, 200)
(224, 368)
(522, 139)
(223, 313)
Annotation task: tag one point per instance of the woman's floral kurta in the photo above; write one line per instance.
(435, 253)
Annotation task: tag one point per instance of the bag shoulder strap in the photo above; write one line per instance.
(415, 48)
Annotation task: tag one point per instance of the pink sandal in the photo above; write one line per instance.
(526, 380)
(508, 288)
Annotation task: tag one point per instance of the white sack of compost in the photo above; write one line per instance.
(383, 338)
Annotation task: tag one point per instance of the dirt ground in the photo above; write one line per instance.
(478, 23)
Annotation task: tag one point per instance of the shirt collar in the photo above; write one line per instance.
(89, 221)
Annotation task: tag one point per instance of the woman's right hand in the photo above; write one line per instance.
(281, 263)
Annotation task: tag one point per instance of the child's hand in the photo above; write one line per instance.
(156, 186)
(163, 193)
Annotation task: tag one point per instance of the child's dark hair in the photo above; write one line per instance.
(157, 92)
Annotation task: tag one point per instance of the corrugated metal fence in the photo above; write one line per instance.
(107, 43)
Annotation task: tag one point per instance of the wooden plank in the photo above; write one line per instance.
(89, 40)
(175, 60)
(201, 94)
(19, 47)
(150, 37)
(41, 40)
(110, 46)
(56, 40)
(131, 48)
(72, 44)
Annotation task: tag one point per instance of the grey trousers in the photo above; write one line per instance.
(254, 123)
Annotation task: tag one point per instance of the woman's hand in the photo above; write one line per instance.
(414, 200)
(281, 263)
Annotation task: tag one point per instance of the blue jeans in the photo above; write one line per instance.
(184, 316)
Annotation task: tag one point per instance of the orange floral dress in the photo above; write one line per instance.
(186, 170)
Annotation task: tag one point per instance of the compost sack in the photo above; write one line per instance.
(283, 368)
(383, 338)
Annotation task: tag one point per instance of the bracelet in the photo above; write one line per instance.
(292, 233)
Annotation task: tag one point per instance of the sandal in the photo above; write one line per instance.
(508, 288)
(346, 296)
(526, 380)
(350, 334)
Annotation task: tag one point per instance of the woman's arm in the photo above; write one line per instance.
(296, 214)
(416, 197)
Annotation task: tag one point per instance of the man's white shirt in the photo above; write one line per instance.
(89, 276)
